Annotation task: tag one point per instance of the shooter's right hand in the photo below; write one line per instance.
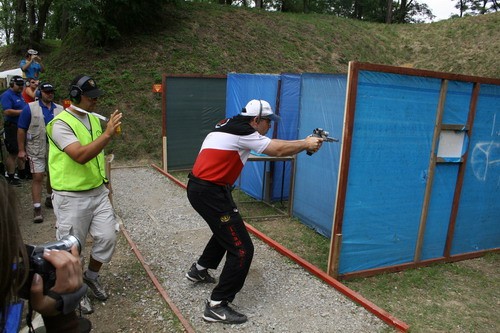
(313, 144)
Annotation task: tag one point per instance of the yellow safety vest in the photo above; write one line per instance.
(65, 173)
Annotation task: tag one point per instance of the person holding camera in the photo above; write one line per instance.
(32, 65)
(57, 305)
(33, 145)
(13, 104)
(78, 178)
(220, 161)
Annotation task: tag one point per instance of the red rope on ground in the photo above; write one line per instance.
(357, 298)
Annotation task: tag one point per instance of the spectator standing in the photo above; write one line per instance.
(32, 65)
(13, 104)
(33, 145)
(223, 154)
(29, 90)
(78, 178)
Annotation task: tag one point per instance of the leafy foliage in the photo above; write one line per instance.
(104, 22)
(476, 7)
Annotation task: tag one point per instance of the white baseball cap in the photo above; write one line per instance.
(259, 108)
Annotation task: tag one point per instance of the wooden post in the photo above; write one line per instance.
(333, 263)
(165, 165)
(461, 173)
(343, 175)
(432, 167)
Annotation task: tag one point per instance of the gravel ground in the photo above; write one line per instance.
(278, 296)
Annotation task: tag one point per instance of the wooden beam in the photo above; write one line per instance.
(431, 169)
(461, 173)
(361, 66)
(345, 154)
(410, 265)
(333, 267)
(454, 127)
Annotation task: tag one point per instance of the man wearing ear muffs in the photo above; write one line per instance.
(33, 145)
(78, 179)
(13, 104)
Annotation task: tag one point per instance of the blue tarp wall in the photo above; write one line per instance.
(242, 88)
(478, 220)
(393, 127)
(322, 105)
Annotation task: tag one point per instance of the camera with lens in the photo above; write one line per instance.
(38, 265)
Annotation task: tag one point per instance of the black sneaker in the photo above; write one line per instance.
(14, 181)
(196, 275)
(222, 313)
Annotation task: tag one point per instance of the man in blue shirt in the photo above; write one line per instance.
(13, 103)
(32, 65)
(32, 142)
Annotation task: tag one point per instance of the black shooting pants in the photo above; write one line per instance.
(215, 204)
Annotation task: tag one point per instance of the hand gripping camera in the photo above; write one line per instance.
(37, 264)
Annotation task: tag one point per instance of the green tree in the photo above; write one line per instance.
(29, 21)
(7, 20)
(476, 7)
(104, 22)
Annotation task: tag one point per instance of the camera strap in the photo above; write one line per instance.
(66, 303)
(29, 318)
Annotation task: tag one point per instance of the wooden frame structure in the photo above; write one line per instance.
(343, 175)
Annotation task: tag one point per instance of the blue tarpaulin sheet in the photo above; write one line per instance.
(242, 88)
(321, 105)
(394, 121)
(287, 130)
(478, 221)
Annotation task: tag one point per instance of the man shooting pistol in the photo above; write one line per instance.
(321, 133)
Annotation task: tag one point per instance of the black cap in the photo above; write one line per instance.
(46, 87)
(18, 80)
(87, 85)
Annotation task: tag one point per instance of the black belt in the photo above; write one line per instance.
(202, 182)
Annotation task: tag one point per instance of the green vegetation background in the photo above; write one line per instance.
(211, 39)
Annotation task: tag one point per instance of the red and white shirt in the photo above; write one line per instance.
(225, 151)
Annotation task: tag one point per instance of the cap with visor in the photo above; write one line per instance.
(87, 86)
(46, 87)
(259, 108)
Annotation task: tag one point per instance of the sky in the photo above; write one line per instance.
(442, 9)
